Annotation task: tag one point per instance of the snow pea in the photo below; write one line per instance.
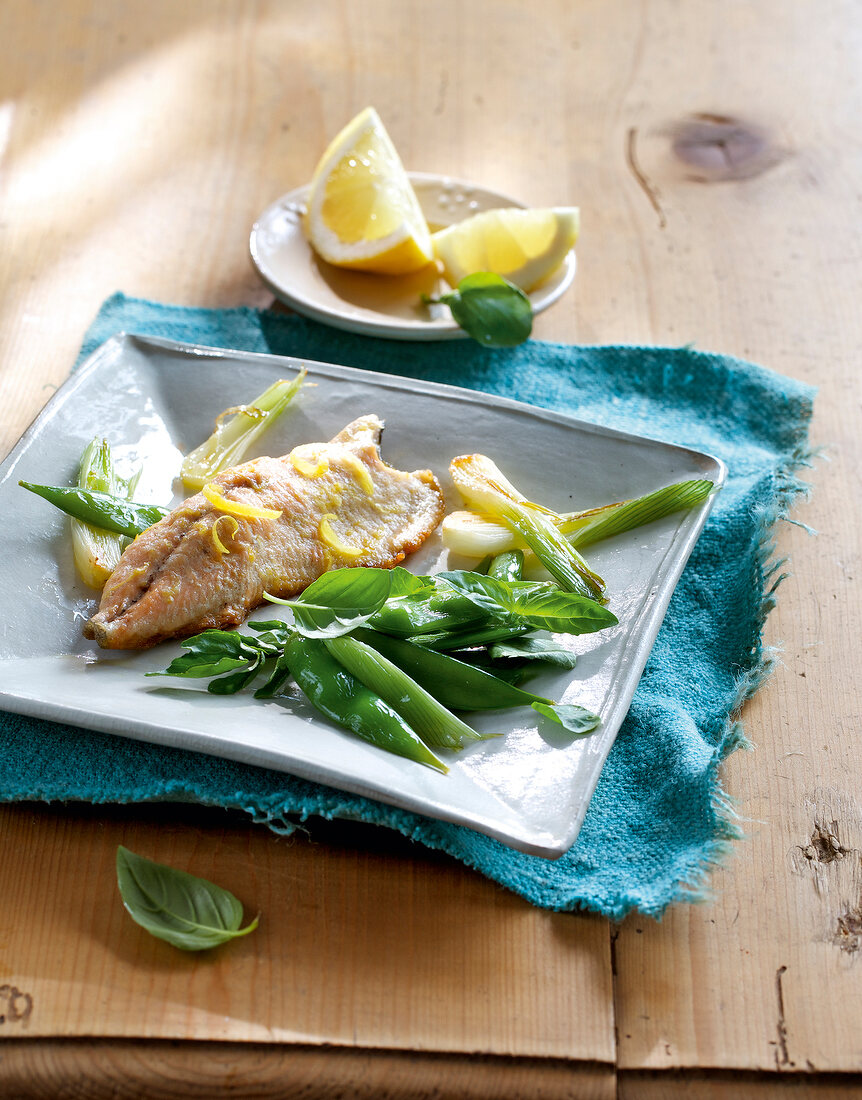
(453, 683)
(102, 510)
(482, 633)
(416, 615)
(345, 700)
(508, 566)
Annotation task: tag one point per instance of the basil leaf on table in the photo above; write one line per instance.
(489, 308)
(182, 909)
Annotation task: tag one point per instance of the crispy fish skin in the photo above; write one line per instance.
(203, 567)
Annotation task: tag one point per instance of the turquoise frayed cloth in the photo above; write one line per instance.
(658, 819)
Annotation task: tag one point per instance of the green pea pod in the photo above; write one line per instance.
(102, 510)
(342, 698)
(413, 615)
(434, 723)
(453, 683)
(508, 566)
(478, 634)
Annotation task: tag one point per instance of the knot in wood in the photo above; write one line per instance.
(719, 147)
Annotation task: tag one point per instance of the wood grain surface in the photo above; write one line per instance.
(715, 153)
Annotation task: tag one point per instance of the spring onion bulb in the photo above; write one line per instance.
(485, 489)
(235, 431)
(475, 535)
(96, 551)
(478, 535)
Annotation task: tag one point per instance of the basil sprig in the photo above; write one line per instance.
(364, 646)
(489, 308)
(182, 909)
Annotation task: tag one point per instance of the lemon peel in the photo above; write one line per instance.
(328, 536)
(360, 471)
(313, 466)
(236, 507)
(219, 545)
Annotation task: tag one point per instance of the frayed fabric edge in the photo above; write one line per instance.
(728, 823)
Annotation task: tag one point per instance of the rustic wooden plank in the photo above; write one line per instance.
(765, 977)
(121, 1070)
(364, 941)
(706, 1085)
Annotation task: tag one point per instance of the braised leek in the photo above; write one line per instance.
(235, 431)
(95, 550)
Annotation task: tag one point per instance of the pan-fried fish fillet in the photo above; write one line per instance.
(207, 565)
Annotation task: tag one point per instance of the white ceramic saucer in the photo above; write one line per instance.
(376, 305)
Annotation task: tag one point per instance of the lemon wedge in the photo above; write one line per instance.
(524, 246)
(362, 211)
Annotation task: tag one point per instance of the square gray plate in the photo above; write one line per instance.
(154, 399)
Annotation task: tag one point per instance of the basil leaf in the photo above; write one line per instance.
(564, 612)
(339, 601)
(193, 666)
(541, 605)
(492, 310)
(570, 716)
(278, 677)
(236, 681)
(273, 635)
(405, 583)
(531, 648)
(182, 909)
(212, 653)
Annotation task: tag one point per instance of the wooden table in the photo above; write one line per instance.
(715, 152)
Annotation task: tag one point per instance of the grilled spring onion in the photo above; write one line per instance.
(485, 489)
(476, 535)
(96, 551)
(96, 548)
(235, 431)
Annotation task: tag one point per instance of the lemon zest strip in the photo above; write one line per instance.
(328, 536)
(219, 545)
(306, 466)
(236, 507)
(360, 470)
